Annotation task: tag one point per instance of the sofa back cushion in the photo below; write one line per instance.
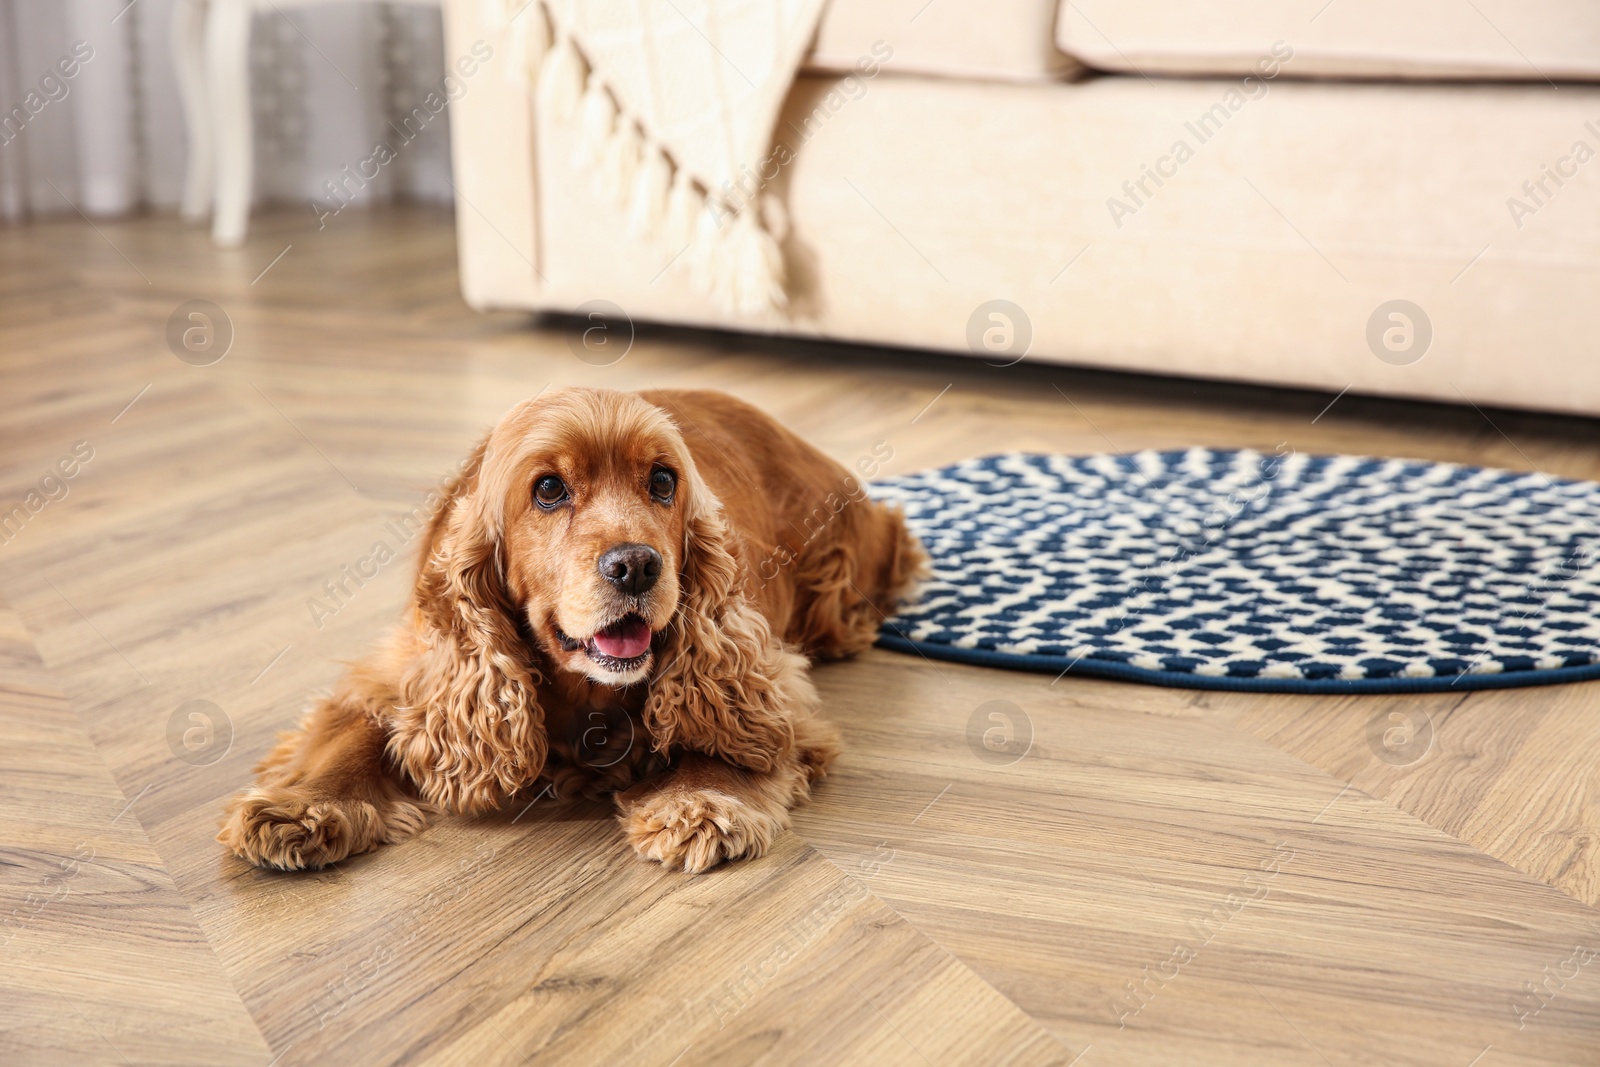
(1514, 40)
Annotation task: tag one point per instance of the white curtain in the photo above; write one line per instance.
(109, 139)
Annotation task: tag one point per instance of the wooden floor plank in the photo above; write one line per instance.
(1512, 773)
(1129, 839)
(102, 959)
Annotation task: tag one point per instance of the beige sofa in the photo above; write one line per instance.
(1241, 189)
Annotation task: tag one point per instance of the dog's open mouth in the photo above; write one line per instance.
(622, 646)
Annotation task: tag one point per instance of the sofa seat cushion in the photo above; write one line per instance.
(1000, 40)
(1517, 40)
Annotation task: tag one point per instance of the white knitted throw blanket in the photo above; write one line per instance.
(675, 103)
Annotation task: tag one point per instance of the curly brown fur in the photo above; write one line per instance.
(529, 656)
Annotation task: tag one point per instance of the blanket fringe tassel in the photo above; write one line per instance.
(647, 209)
(732, 257)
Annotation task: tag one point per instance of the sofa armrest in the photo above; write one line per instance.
(492, 159)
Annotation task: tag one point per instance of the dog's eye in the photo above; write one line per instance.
(549, 491)
(663, 483)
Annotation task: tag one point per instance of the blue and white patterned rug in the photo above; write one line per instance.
(1243, 570)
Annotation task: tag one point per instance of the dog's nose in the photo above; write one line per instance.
(631, 568)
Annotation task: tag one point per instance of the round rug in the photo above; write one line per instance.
(1247, 570)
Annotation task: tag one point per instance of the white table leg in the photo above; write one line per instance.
(228, 79)
(189, 66)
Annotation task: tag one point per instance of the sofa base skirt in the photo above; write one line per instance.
(1429, 241)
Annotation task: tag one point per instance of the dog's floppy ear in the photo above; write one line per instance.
(726, 686)
(468, 729)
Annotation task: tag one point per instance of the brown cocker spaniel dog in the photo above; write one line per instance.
(619, 597)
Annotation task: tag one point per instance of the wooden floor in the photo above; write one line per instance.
(1166, 877)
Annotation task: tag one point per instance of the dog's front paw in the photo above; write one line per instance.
(696, 829)
(286, 830)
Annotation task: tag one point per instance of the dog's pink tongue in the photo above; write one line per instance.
(624, 640)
